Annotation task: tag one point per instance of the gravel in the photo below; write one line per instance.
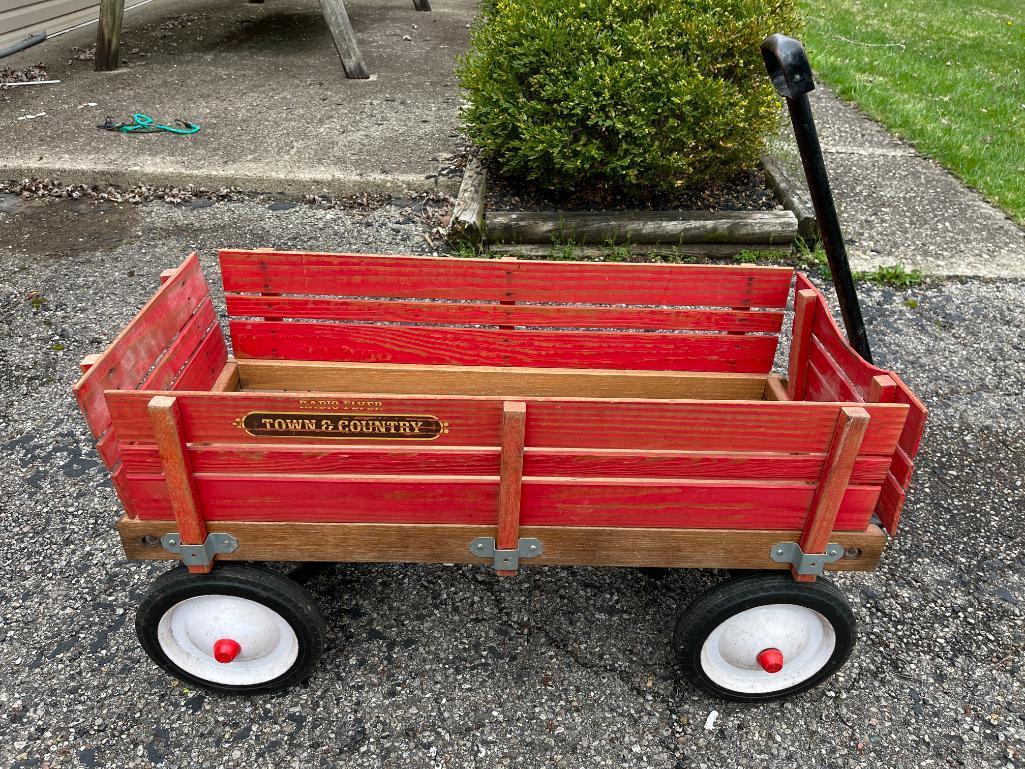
(435, 666)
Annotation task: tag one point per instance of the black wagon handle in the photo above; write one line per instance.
(790, 72)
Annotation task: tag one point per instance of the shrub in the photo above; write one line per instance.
(629, 94)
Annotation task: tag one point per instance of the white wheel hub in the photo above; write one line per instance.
(189, 631)
(805, 638)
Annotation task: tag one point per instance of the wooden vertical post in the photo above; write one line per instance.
(836, 474)
(881, 389)
(108, 35)
(514, 423)
(165, 417)
(800, 345)
(422, 5)
(345, 39)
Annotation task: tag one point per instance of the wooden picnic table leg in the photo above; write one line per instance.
(108, 35)
(422, 5)
(345, 39)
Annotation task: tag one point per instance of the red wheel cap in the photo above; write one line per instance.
(225, 650)
(771, 660)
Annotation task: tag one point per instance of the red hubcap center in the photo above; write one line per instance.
(771, 660)
(225, 650)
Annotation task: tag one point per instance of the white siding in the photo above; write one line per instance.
(21, 18)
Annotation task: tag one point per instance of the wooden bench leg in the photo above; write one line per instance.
(108, 35)
(422, 5)
(345, 39)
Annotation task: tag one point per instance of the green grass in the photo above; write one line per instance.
(947, 75)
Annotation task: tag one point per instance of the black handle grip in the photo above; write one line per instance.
(787, 65)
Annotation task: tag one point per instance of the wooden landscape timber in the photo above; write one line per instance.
(557, 250)
(789, 193)
(467, 223)
(666, 228)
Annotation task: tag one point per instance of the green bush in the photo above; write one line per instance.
(642, 95)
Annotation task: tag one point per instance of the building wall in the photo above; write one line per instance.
(21, 18)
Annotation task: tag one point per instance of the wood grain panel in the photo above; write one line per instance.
(563, 545)
(476, 314)
(495, 347)
(399, 277)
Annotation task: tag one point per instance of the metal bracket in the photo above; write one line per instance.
(200, 555)
(506, 560)
(805, 563)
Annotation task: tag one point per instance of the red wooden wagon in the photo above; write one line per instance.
(505, 412)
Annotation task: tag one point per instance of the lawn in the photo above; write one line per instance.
(946, 75)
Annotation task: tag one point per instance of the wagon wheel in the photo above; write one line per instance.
(764, 636)
(239, 629)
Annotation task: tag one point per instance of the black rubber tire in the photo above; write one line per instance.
(716, 605)
(276, 591)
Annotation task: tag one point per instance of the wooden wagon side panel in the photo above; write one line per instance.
(824, 367)
(672, 464)
(172, 343)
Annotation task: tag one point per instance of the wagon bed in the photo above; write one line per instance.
(402, 408)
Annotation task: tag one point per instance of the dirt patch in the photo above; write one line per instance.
(59, 228)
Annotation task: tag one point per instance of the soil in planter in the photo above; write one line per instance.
(747, 191)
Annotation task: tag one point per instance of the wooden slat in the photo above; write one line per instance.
(652, 502)
(702, 426)
(182, 349)
(834, 483)
(590, 546)
(494, 281)
(805, 306)
(413, 379)
(492, 347)
(476, 314)
(484, 460)
(775, 389)
(834, 384)
(202, 370)
(514, 421)
(890, 504)
(227, 380)
(125, 363)
(178, 479)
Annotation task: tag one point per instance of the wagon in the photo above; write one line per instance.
(507, 413)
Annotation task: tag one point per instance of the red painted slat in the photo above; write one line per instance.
(741, 426)
(890, 504)
(206, 364)
(182, 349)
(476, 314)
(125, 363)
(504, 280)
(837, 385)
(445, 460)
(492, 347)
(546, 501)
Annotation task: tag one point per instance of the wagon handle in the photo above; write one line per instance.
(790, 72)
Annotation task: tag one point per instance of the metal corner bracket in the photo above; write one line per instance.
(200, 555)
(506, 560)
(806, 563)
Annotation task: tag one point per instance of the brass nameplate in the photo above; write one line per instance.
(387, 427)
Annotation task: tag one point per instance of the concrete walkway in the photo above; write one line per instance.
(897, 206)
(267, 87)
